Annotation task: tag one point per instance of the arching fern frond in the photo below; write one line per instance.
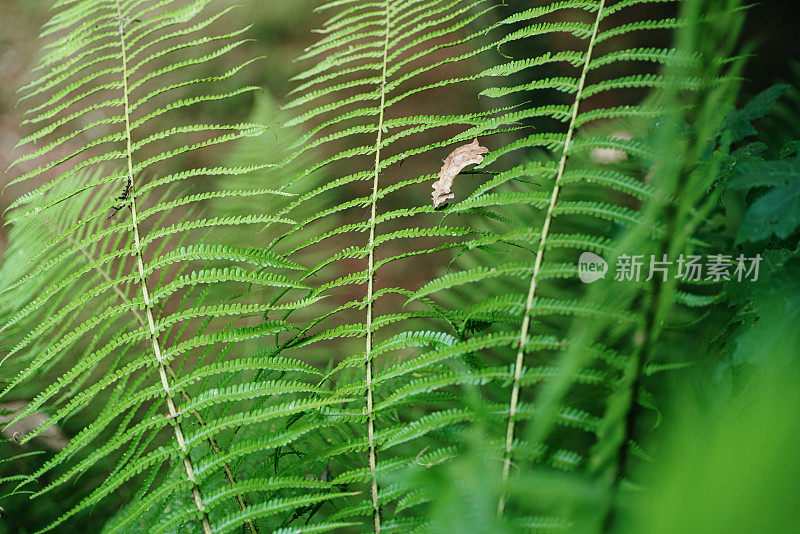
(120, 300)
(376, 57)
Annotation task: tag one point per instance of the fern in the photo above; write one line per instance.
(134, 273)
(570, 202)
(542, 241)
(374, 46)
(303, 344)
(378, 43)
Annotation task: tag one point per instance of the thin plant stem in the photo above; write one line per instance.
(537, 264)
(372, 453)
(137, 249)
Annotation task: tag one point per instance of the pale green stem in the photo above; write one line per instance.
(376, 513)
(137, 249)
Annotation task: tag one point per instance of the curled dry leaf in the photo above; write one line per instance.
(470, 154)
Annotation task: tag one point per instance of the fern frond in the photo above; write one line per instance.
(121, 278)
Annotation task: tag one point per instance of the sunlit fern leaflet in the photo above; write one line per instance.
(166, 351)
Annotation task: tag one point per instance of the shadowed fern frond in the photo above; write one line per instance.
(593, 173)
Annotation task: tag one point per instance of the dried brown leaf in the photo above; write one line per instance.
(470, 154)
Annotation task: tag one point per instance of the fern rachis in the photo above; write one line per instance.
(523, 336)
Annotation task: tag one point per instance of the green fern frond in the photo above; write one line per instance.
(134, 266)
